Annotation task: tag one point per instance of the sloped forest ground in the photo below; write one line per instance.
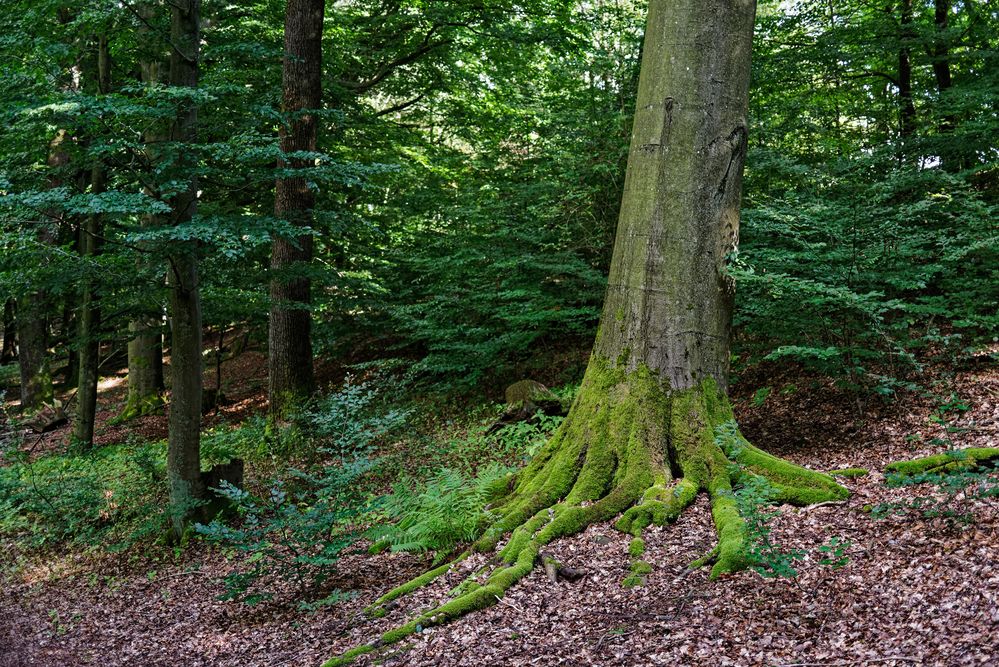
(913, 591)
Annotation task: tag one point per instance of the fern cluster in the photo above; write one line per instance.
(439, 514)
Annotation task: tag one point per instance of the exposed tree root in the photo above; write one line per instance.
(953, 460)
(628, 449)
(850, 472)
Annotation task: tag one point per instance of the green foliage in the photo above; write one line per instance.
(467, 446)
(956, 490)
(525, 438)
(834, 552)
(346, 423)
(760, 396)
(948, 408)
(295, 532)
(754, 499)
(438, 515)
(112, 497)
(755, 502)
(300, 527)
(862, 247)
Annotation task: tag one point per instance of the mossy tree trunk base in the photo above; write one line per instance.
(140, 406)
(629, 450)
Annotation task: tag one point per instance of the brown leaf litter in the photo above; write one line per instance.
(914, 592)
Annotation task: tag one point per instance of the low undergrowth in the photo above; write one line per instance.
(955, 479)
(294, 528)
(294, 533)
(110, 498)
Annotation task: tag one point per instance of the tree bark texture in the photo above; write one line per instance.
(33, 309)
(9, 352)
(290, 362)
(90, 313)
(669, 303)
(145, 343)
(32, 337)
(183, 452)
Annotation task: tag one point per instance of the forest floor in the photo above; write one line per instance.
(914, 591)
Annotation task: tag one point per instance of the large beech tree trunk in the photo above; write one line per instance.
(651, 427)
(290, 341)
(183, 451)
(90, 313)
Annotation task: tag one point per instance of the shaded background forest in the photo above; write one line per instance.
(470, 169)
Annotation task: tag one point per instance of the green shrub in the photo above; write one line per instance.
(253, 438)
(755, 501)
(347, 422)
(525, 438)
(301, 526)
(295, 532)
(851, 266)
(956, 490)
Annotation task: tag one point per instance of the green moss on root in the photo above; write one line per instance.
(140, 406)
(413, 584)
(952, 460)
(641, 567)
(850, 472)
(349, 656)
(633, 581)
(637, 548)
(615, 455)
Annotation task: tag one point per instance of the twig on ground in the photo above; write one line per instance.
(825, 504)
(508, 604)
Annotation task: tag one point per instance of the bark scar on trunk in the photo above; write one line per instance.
(736, 144)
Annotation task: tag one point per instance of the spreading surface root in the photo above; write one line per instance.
(628, 449)
(950, 461)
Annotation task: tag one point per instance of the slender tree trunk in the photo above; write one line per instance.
(290, 341)
(68, 329)
(183, 452)
(907, 112)
(145, 367)
(90, 312)
(940, 54)
(941, 46)
(9, 352)
(145, 342)
(32, 337)
(34, 309)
